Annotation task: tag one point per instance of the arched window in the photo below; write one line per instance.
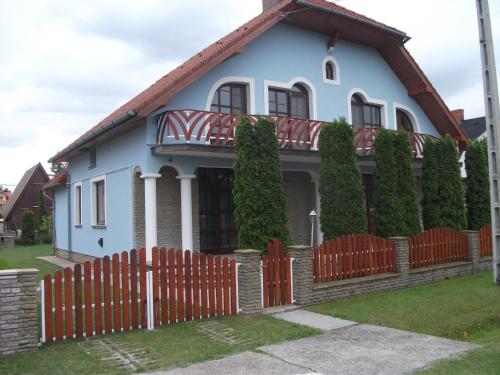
(364, 115)
(230, 98)
(289, 103)
(404, 121)
(330, 71)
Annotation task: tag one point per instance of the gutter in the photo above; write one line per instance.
(94, 133)
(386, 29)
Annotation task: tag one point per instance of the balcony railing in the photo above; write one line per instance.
(212, 128)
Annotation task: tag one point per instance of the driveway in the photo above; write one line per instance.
(355, 349)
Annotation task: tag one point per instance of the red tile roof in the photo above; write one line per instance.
(165, 88)
(57, 180)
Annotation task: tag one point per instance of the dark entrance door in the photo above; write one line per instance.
(217, 227)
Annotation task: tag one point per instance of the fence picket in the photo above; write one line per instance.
(156, 286)
(218, 286)
(143, 287)
(211, 286)
(225, 285)
(134, 295)
(163, 286)
(265, 281)
(58, 297)
(125, 292)
(78, 300)
(87, 284)
(107, 294)
(196, 285)
(97, 297)
(204, 296)
(187, 287)
(47, 287)
(180, 286)
(68, 302)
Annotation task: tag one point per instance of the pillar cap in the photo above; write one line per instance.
(150, 175)
(247, 251)
(470, 231)
(398, 238)
(185, 176)
(299, 247)
(23, 271)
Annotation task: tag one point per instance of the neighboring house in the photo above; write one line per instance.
(5, 195)
(157, 171)
(475, 128)
(25, 196)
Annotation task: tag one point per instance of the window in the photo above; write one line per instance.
(78, 204)
(404, 121)
(92, 158)
(365, 115)
(330, 71)
(98, 200)
(289, 103)
(230, 99)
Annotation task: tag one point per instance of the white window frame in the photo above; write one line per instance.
(311, 91)
(93, 208)
(336, 71)
(382, 103)
(77, 206)
(413, 117)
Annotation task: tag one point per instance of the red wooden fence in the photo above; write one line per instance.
(436, 246)
(113, 295)
(277, 288)
(353, 256)
(485, 241)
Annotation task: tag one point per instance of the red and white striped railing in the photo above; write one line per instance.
(203, 127)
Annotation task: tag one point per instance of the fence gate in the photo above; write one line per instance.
(276, 276)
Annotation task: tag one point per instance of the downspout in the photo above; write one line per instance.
(68, 184)
(53, 220)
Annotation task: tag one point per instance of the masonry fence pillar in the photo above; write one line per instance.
(402, 255)
(302, 273)
(473, 246)
(18, 317)
(249, 282)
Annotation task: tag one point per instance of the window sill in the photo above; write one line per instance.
(78, 226)
(99, 226)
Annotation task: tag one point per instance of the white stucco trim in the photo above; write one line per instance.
(250, 85)
(77, 218)
(93, 209)
(336, 80)
(409, 112)
(311, 90)
(368, 99)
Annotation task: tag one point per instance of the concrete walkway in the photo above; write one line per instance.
(314, 320)
(60, 262)
(347, 348)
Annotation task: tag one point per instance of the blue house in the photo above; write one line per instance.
(157, 171)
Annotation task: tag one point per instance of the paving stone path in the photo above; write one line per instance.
(118, 352)
(221, 332)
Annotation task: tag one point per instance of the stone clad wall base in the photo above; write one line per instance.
(73, 256)
(18, 316)
(249, 281)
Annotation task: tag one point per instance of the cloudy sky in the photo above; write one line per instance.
(66, 64)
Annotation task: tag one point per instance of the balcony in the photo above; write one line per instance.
(218, 129)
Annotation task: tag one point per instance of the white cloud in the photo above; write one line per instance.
(64, 65)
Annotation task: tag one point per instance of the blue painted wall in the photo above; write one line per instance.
(281, 54)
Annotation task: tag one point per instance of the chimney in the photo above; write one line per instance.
(266, 4)
(458, 114)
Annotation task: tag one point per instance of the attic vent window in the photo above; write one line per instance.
(331, 72)
(92, 158)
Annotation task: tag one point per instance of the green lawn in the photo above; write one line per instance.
(166, 347)
(462, 309)
(25, 257)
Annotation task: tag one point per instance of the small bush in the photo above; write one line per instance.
(28, 228)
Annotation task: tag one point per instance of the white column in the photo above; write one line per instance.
(186, 212)
(150, 211)
(319, 233)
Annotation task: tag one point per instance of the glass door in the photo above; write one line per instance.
(217, 226)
